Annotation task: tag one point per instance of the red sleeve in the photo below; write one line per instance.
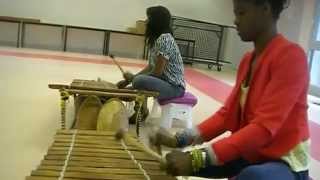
(214, 125)
(289, 77)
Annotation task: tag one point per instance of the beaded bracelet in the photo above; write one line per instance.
(198, 160)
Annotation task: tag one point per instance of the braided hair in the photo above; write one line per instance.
(159, 22)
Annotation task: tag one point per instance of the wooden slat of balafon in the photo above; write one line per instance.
(87, 154)
(45, 175)
(128, 165)
(135, 171)
(111, 147)
(48, 178)
(89, 139)
(79, 149)
(76, 149)
(61, 86)
(95, 146)
(90, 164)
(99, 138)
(97, 159)
(100, 93)
(87, 175)
(89, 134)
(86, 132)
(82, 140)
(57, 178)
(101, 170)
(107, 142)
(137, 155)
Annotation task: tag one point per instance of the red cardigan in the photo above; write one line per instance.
(275, 115)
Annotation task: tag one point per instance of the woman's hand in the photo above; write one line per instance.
(160, 66)
(128, 76)
(122, 84)
(163, 137)
(179, 163)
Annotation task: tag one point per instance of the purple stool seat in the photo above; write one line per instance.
(187, 99)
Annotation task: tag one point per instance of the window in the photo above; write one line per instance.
(314, 58)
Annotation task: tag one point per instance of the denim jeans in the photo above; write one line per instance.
(243, 170)
(151, 83)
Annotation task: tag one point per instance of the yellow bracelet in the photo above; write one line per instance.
(198, 160)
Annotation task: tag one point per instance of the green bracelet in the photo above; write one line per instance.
(198, 160)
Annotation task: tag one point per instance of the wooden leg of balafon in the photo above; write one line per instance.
(63, 101)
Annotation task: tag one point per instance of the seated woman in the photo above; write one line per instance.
(266, 111)
(164, 72)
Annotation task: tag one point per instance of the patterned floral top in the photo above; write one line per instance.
(166, 46)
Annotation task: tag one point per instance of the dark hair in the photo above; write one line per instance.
(159, 22)
(277, 6)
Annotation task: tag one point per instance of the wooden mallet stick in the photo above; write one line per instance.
(114, 60)
(124, 136)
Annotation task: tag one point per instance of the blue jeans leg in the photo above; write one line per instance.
(243, 170)
(267, 171)
(151, 83)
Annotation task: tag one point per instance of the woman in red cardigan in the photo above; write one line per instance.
(266, 111)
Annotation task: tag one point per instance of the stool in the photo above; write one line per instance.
(178, 109)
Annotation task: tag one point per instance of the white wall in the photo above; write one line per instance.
(235, 48)
(307, 24)
(217, 11)
(112, 14)
(296, 22)
(291, 19)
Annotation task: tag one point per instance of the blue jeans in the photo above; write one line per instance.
(151, 83)
(242, 170)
